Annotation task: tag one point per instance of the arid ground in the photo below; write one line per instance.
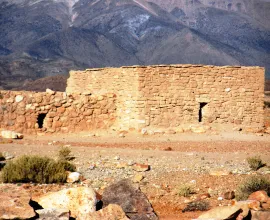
(175, 160)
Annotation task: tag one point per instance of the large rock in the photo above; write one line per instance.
(111, 212)
(220, 213)
(260, 196)
(260, 215)
(11, 134)
(80, 201)
(128, 195)
(14, 203)
(53, 214)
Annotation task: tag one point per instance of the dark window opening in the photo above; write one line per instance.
(40, 120)
(202, 104)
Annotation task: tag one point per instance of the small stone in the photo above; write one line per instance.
(225, 212)
(49, 91)
(18, 98)
(138, 178)
(11, 134)
(219, 172)
(91, 167)
(220, 198)
(116, 158)
(140, 167)
(74, 177)
(7, 155)
(53, 214)
(229, 195)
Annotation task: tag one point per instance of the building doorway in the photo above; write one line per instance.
(202, 106)
(40, 119)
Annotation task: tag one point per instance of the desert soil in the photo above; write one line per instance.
(174, 160)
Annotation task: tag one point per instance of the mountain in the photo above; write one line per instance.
(40, 38)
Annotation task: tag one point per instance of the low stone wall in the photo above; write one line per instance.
(30, 112)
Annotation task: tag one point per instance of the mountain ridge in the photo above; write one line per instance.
(50, 37)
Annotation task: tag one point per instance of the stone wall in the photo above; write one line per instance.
(31, 112)
(178, 95)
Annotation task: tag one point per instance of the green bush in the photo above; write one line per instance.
(196, 206)
(255, 163)
(36, 169)
(185, 190)
(65, 154)
(251, 185)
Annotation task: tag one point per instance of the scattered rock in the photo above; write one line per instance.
(111, 212)
(138, 178)
(80, 201)
(260, 196)
(11, 134)
(53, 214)
(220, 198)
(18, 98)
(219, 172)
(249, 204)
(226, 212)
(198, 129)
(229, 195)
(14, 203)
(7, 155)
(140, 167)
(50, 91)
(203, 196)
(133, 202)
(74, 177)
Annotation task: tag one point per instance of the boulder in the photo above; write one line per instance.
(80, 201)
(14, 203)
(260, 196)
(111, 212)
(11, 134)
(226, 212)
(128, 195)
(260, 215)
(53, 214)
(229, 195)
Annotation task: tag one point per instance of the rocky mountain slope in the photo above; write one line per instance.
(41, 38)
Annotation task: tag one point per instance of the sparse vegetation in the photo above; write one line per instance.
(196, 206)
(251, 185)
(1, 156)
(255, 163)
(65, 154)
(36, 169)
(185, 190)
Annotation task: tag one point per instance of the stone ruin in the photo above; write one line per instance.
(163, 97)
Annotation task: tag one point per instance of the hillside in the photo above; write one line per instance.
(40, 38)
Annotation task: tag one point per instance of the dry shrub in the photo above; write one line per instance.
(252, 184)
(1, 156)
(65, 154)
(36, 169)
(255, 163)
(185, 190)
(196, 206)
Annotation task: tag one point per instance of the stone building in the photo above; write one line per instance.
(178, 95)
(174, 97)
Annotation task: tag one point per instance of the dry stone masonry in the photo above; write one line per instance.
(178, 95)
(30, 112)
(139, 98)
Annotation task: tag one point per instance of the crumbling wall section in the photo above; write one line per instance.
(31, 112)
